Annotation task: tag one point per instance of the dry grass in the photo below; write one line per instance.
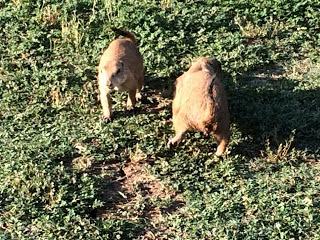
(71, 31)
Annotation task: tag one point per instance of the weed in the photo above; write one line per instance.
(281, 154)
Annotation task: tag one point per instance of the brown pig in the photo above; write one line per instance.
(200, 103)
(120, 68)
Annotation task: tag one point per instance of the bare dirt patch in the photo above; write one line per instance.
(134, 194)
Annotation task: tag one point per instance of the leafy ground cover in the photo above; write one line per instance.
(66, 175)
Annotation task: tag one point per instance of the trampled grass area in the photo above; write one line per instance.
(66, 175)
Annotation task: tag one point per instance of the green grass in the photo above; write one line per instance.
(66, 175)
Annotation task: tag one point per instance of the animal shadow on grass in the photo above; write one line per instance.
(273, 108)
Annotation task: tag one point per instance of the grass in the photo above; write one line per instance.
(67, 175)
